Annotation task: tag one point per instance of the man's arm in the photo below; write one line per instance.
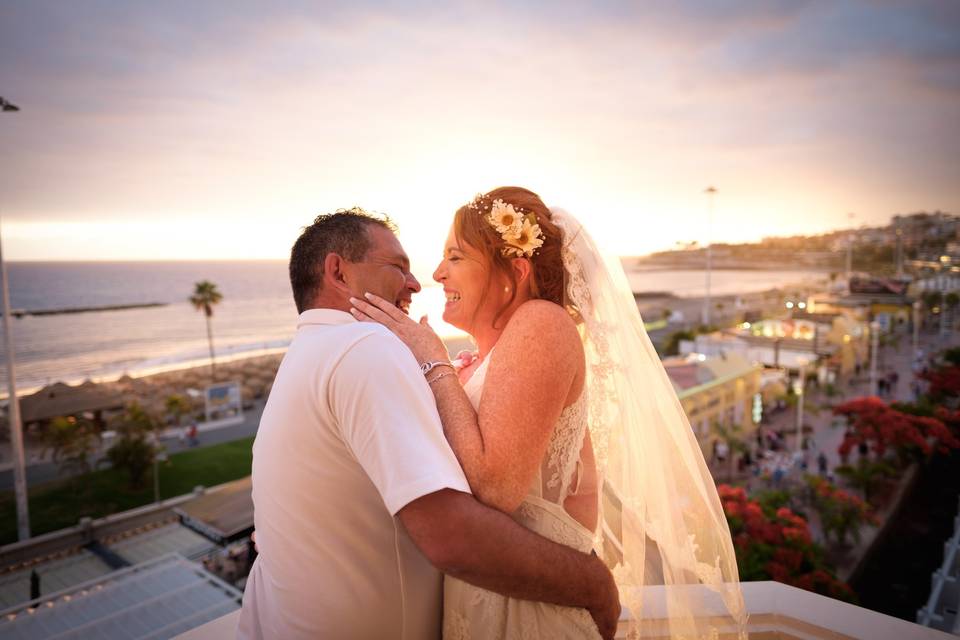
(487, 548)
(387, 416)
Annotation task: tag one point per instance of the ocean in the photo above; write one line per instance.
(257, 314)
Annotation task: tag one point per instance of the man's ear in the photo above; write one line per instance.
(334, 272)
(522, 269)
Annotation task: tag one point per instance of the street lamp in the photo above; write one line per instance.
(944, 264)
(711, 192)
(916, 328)
(849, 252)
(798, 388)
(874, 347)
(899, 253)
(13, 402)
(159, 456)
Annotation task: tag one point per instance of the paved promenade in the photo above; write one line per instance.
(40, 469)
(827, 432)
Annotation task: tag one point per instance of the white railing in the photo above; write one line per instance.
(940, 612)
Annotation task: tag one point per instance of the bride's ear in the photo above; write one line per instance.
(522, 270)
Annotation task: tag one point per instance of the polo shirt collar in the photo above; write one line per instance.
(324, 316)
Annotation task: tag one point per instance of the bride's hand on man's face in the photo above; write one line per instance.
(418, 336)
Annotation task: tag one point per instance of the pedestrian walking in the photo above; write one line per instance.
(721, 451)
(194, 440)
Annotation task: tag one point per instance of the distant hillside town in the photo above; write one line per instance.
(907, 241)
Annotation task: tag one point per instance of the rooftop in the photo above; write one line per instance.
(160, 598)
(171, 538)
(61, 399)
(55, 575)
(695, 371)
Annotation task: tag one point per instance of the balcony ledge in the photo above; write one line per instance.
(776, 611)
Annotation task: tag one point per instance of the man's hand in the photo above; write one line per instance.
(606, 612)
(489, 549)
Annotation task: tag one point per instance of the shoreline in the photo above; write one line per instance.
(649, 303)
(643, 266)
(149, 371)
(197, 368)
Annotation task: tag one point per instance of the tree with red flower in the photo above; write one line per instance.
(944, 382)
(841, 513)
(873, 422)
(774, 543)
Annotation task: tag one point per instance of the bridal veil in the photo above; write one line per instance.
(663, 532)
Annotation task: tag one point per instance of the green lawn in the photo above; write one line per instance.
(61, 504)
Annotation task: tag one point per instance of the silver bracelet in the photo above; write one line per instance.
(427, 367)
(442, 375)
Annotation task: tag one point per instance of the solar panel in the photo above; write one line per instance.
(157, 599)
(55, 575)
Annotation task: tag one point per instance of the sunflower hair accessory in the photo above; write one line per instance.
(518, 228)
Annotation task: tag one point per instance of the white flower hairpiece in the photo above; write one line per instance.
(519, 229)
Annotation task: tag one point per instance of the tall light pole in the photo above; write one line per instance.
(944, 280)
(916, 328)
(899, 253)
(849, 252)
(874, 347)
(799, 389)
(705, 316)
(159, 456)
(13, 402)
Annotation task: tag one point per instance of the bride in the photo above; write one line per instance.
(565, 419)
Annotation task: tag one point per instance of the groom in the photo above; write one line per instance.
(359, 501)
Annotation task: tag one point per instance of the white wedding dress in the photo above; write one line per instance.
(472, 613)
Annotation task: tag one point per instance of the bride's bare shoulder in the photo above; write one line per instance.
(545, 323)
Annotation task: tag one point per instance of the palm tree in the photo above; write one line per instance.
(205, 297)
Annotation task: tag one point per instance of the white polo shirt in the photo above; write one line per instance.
(349, 436)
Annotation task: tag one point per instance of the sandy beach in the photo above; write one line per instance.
(255, 373)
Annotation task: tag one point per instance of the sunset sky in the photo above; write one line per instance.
(185, 130)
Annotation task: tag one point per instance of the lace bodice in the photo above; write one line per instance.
(559, 468)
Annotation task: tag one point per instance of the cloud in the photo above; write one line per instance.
(145, 110)
(829, 36)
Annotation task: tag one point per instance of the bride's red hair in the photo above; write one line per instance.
(471, 227)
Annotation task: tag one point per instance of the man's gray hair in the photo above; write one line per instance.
(344, 233)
